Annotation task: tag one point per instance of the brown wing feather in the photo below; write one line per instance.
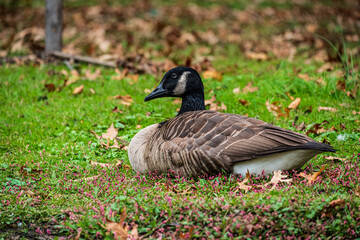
(210, 140)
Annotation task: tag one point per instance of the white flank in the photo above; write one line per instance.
(280, 161)
(137, 147)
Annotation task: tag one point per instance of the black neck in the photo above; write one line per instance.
(193, 102)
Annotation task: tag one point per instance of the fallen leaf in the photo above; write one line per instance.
(326, 67)
(147, 91)
(316, 129)
(357, 192)
(341, 85)
(242, 184)
(111, 133)
(116, 110)
(138, 126)
(78, 90)
(331, 109)
(74, 76)
(120, 230)
(27, 191)
(92, 91)
(295, 103)
(50, 87)
(188, 235)
(304, 76)
(236, 90)
(277, 178)
(92, 163)
(121, 74)
(214, 104)
(312, 177)
(125, 100)
(355, 112)
(335, 158)
(243, 102)
(337, 202)
(77, 237)
(256, 55)
(320, 81)
(249, 88)
(212, 74)
(87, 178)
(276, 110)
(92, 75)
(291, 97)
(177, 101)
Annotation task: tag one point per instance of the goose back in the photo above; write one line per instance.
(206, 142)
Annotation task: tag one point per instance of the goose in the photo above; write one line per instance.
(197, 141)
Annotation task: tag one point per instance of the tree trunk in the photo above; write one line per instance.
(53, 28)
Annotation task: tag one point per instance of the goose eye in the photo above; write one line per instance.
(173, 75)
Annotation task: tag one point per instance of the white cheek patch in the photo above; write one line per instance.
(181, 85)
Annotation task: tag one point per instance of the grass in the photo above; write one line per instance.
(46, 145)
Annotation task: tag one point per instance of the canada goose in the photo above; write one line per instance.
(199, 141)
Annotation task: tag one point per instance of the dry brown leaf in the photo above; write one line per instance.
(334, 158)
(312, 177)
(147, 91)
(242, 184)
(317, 128)
(236, 90)
(357, 192)
(304, 76)
(27, 191)
(121, 74)
(326, 67)
(243, 102)
(341, 85)
(331, 109)
(116, 110)
(92, 91)
(92, 163)
(277, 178)
(249, 88)
(120, 229)
(74, 76)
(50, 87)
(138, 126)
(111, 133)
(320, 81)
(214, 104)
(256, 56)
(291, 97)
(212, 74)
(295, 103)
(87, 179)
(78, 90)
(92, 75)
(355, 112)
(337, 202)
(78, 234)
(125, 100)
(276, 110)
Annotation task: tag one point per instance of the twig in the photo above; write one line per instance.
(78, 58)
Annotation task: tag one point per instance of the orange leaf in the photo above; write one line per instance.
(92, 76)
(111, 133)
(312, 177)
(212, 74)
(78, 90)
(256, 56)
(125, 100)
(295, 103)
(242, 184)
(276, 110)
(120, 230)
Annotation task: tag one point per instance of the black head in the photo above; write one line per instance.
(178, 82)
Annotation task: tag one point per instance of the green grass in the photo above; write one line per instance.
(53, 136)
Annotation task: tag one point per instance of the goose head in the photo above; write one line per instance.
(183, 82)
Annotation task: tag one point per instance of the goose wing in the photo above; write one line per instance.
(230, 138)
